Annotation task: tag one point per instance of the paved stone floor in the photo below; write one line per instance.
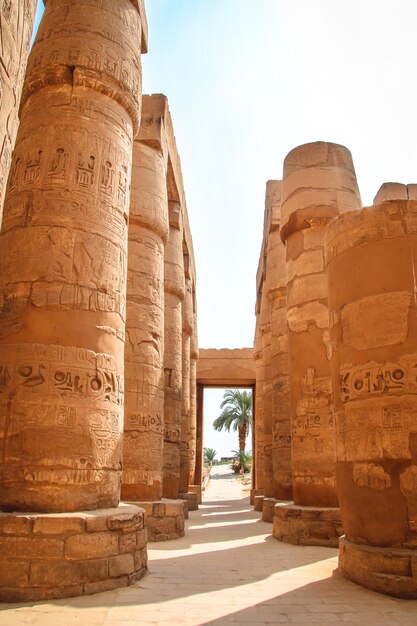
(226, 570)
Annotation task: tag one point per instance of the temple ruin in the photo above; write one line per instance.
(101, 376)
(347, 284)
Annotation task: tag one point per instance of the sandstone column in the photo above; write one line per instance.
(319, 183)
(258, 452)
(187, 329)
(265, 322)
(371, 257)
(199, 435)
(280, 427)
(144, 379)
(193, 402)
(174, 295)
(63, 280)
(16, 25)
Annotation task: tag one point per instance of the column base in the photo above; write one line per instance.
(307, 525)
(191, 499)
(198, 490)
(268, 508)
(60, 555)
(253, 493)
(392, 571)
(258, 503)
(164, 519)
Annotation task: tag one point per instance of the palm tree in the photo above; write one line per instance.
(209, 456)
(237, 412)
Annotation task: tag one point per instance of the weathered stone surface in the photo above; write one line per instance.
(16, 26)
(121, 564)
(363, 326)
(371, 270)
(391, 191)
(258, 503)
(307, 525)
(254, 493)
(93, 545)
(268, 509)
(164, 519)
(61, 556)
(191, 499)
(387, 570)
(63, 260)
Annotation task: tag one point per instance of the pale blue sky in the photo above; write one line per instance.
(247, 81)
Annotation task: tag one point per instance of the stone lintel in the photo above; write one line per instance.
(226, 367)
(392, 571)
(307, 525)
(60, 555)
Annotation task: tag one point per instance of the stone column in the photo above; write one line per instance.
(199, 445)
(193, 402)
(16, 25)
(187, 329)
(259, 452)
(265, 321)
(63, 282)
(174, 296)
(371, 257)
(281, 463)
(144, 379)
(319, 183)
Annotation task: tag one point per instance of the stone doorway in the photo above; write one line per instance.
(223, 369)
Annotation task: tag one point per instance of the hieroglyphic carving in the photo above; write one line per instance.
(379, 432)
(379, 379)
(60, 369)
(281, 440)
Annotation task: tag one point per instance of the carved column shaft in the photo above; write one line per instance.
(371, 258)
(187, 330)
(319, 183)
(174, 283)
(63, 258)
(193, 400)
(16, 25)
(277, 294)
(371, 265)
(144, 352)
(259, 409)
(265, 329)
